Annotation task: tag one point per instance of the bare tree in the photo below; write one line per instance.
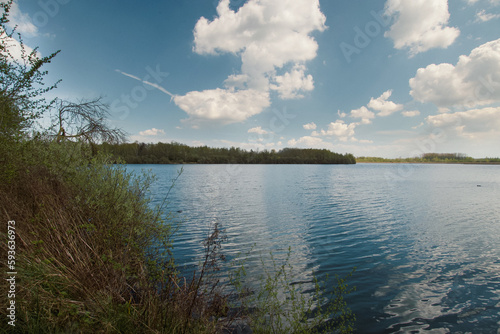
(86, 121)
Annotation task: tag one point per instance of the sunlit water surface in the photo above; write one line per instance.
(425, 239)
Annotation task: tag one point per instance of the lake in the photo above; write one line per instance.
(424, 238)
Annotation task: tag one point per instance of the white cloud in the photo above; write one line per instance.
(338, 129)
(289, 84)
(363, 113)
(223, 106)
(152, 84)
(258, 130)
(152, 132)
(22, 20)
(236, 81)
(267, 35)
(251, 145)
(471, 124)
(24, 26)
(410, 113)
(474, 80)
(420, 25)
(482, 16)
(310, 126)
(14, 48)
(418, 126)
(492, 2)
(309, 142)
(384, 106)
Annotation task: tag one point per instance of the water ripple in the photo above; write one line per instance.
(426, 246)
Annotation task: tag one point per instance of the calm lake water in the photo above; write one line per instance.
(425, 239)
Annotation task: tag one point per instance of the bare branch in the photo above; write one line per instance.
(85, 120)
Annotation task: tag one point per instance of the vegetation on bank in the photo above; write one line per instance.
(175, 153)
(457, 158)
(90, 252)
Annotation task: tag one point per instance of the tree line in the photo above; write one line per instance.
(433, 158)
(176, 153)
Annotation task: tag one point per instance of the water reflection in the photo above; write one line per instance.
(425, 244)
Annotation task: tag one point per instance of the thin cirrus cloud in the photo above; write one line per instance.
(420, 25)
(268, 36)
(482, 16)
(152, 84)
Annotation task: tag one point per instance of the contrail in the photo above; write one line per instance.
(160, 88)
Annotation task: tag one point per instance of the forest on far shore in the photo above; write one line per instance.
(176, 153)
(459, 158)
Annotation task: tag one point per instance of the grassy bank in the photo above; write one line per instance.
(93, 256)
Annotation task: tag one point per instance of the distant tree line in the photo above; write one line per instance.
(433, 158)
(176, 153)
(445, 157)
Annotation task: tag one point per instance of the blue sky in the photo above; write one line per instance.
(383, 78)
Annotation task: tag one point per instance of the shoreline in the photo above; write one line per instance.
(429, 162)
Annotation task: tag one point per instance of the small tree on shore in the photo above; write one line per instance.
(84, 121)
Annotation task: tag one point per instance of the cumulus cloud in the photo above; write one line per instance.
(473, 81)
(339, 129)
(410, 113)
(363, 113)
(420, 25)
(221, 105)
(258, 130)
(307, 141)
(383, 106)
(291, 83)
(152, 132)
(310, 126)
(251, 145)
(267, 35)
(471, 124)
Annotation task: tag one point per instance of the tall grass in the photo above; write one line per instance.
(91, 253)
(94, 256)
